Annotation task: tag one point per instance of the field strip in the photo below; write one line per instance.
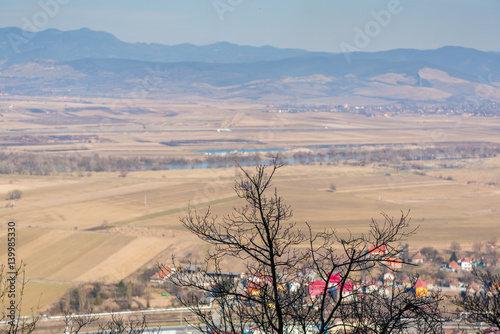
(46, 237)
(94, 195)
(48, 281)
(93, 253)
(449, 198)
(126, 261)
(25, 236)
(172, 211)
(395, 186)
(62, 261)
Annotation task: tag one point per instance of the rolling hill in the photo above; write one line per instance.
(89, 63)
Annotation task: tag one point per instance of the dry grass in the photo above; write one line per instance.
(38, 295)
(161, 115)
(99, 228)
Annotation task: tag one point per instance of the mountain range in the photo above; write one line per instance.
(90, 63)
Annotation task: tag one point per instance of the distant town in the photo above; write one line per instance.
(472, 108)
(434, 269)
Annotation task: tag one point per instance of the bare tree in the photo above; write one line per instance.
(483, 306)
(75, 323)
(117, 324)
(394, 309)
(455, 247)
(15, 194)
(120, 325)
(281, 261)
(12, 283)
(477, 248)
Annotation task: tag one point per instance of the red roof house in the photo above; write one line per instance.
(454, 266)
(394, 263)
(378, 251)
(334, 279)
(317, 288)
(161, 275)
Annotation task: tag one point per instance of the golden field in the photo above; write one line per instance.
(76, 228)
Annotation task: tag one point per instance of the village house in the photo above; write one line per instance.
(455, 284)
(161, 275)
(406, 283)
(466, 264)
(418, 258)
(385, 291)
(388, 279)
(370, 288)
(473, 288)
(334, 280)
(394, 263)
(377, 251)
(492, 245)
(347, 290)
(421, 289)
(454, 266)
(454, 331)
(368, 280)
(317, 288)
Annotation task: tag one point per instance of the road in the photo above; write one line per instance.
(171, 320)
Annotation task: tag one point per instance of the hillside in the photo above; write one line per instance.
(89, 63)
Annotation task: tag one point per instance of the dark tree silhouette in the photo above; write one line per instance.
(453, 257)
(74, 324)
(455, 247)
(12, 284)
(15, 194)
(395, 310)
(283, 263)
(482, 306)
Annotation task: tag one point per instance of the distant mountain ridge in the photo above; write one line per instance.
(85, 43)
(94, 63)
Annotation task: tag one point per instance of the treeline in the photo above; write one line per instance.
(396, 157)
(28, 139)
(134, 294)
(49, 164)
(99, 297)
(399, 155)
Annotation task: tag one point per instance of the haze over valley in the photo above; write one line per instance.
(106, 144)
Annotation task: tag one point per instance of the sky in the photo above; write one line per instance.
(316, 25)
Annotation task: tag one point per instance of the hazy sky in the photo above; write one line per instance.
(320, 25)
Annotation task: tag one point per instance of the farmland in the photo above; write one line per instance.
(103, 226)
